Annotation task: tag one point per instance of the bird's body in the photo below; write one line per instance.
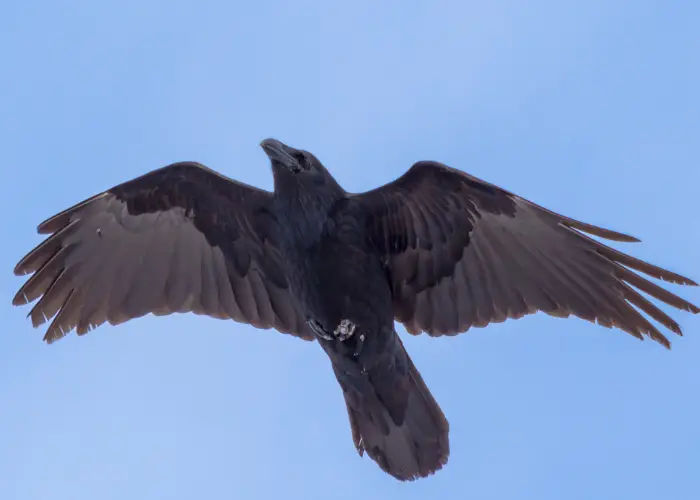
(339, 280)
(437, 250)
(325, 253)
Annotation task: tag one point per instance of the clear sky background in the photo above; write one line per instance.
(589, 108)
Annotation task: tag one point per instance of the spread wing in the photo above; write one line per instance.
(461, 252)
(179, 239)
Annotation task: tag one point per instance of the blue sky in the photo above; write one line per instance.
(588, 108)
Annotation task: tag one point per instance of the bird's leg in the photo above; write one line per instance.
(359, 345)
(318, 329)
(343, 332)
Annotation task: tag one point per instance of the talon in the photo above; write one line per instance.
(344, 330)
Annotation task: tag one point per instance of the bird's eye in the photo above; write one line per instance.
(300, 157)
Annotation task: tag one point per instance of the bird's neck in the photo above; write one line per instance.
(305, 214)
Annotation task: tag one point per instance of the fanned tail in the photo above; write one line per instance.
(395, 419)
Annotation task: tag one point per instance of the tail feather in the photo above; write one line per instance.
(396, 420)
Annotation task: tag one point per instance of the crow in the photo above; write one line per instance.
(437, 250)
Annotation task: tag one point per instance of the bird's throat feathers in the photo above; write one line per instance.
(305, 207)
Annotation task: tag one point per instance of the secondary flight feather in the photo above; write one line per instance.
(437, 250)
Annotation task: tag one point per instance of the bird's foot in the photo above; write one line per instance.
(345, 330)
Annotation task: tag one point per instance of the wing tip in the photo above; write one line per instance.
(19, 269)
(61, 219)
(627, 238)
(671, 277)
(51, 337)
(607, 234)
(663, 340)
(20, 299)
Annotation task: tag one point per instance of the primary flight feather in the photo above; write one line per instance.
(437, 250)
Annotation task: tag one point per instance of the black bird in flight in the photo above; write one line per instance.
(437, 250)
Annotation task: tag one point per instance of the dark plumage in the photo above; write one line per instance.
(437, 250)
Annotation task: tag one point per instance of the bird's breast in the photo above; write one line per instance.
(331, 269)
(336, 278)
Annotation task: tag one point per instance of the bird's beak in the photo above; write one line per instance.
(280, 153)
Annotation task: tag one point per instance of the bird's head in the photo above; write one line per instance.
(295, 167)
(293, 160)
